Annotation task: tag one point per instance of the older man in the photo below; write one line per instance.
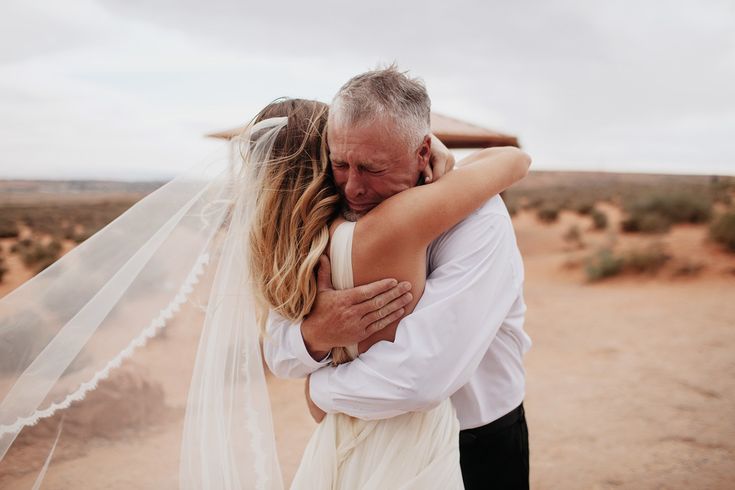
(469, 321)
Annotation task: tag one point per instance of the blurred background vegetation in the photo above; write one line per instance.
(40, 220)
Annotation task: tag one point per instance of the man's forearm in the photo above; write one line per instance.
(284, 350)
(316, 350)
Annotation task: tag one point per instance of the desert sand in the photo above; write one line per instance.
(630, 381)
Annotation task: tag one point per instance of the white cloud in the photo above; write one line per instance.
(127, 89)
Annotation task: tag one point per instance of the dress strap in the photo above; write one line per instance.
(340, 253)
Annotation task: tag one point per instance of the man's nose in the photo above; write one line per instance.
(354, 187)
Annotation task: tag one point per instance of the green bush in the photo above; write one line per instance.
(23, 339)
(657, 212)
(723, 230)
(8, 228)
(37, 255)
(548, 214)
(688, 268)
(603, 264)
(722, 189)
(648, 260)
(574, 236)
(599, 219)
(20, 245)
(646, 223)
(584, 207)
(82, 236)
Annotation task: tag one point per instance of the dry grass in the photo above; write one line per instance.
(607, 263)
(599, 219)
(653, 202)
(723, 230)
(656, 212)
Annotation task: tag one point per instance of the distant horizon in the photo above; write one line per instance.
(167, 178)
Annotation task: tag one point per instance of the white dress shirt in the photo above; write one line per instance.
(464, 339)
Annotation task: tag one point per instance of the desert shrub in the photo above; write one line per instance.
(61, 218)
(20, 245)
(599, 219)
(603, 264)
(688, 268)
(548, 214)
(22, 339)
(8, 228)
(722, 189)
(646, 223)
(723, 230)
(535, 202)
(584, 207)
(657, 212)
(67, 233)
(511, 203)
(574, 236)
(647, 260)
(83, 235)
(37, 255)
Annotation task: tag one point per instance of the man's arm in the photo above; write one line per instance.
(284, 350)
(338, 318)
(477, 279)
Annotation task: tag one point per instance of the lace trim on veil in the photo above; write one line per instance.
(257, 444)
(154, 328)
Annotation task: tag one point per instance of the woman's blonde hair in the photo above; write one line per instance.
(295, 200)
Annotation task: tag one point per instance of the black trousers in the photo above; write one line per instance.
(495, 456)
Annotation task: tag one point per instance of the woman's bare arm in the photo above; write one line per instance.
(417, 216)
(391, 240)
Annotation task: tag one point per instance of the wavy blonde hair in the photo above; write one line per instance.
(295, 200)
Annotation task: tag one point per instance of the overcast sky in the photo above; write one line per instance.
(126, 89)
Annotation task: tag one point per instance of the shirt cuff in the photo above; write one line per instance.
(319, 390)
(298, 348)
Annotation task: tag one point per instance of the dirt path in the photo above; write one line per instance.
(631, 382)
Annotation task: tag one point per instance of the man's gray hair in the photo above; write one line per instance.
(385, 92)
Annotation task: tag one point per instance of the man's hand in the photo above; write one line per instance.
(441, 162)
(346, 317)
(316, 413)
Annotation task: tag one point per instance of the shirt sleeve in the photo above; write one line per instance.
(476, 279)
(284, 349)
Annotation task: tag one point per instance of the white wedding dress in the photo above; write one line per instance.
(416, 450)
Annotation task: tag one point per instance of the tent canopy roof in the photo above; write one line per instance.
(452, 132)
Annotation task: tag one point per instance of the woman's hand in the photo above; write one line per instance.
(316, 413)
(441, 162)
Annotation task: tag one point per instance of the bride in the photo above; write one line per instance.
(296, 221)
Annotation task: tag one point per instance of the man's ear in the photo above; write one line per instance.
(424, 153)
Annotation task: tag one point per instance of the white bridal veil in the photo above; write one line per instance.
(134, 361)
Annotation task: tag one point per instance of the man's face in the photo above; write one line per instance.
(372, 162)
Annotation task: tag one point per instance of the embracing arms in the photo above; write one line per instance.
(474, 288)
(295, 349)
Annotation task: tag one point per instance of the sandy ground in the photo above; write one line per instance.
(631, 381)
